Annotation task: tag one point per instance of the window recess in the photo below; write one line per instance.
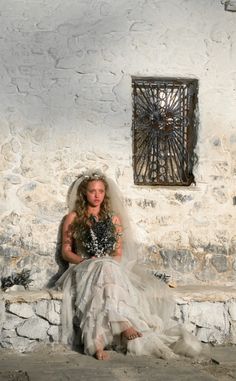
(164, 130)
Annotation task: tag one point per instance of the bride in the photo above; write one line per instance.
(116, 303)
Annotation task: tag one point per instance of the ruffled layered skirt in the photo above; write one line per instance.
(105, 299)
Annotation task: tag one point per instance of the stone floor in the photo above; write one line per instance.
(61, 364)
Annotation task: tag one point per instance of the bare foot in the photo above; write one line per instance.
(101, 355)
(131, 333)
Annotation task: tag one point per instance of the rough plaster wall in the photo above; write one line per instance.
(65, 105)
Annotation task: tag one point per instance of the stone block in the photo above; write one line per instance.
(180, 260)
(220, 263)
(211, 320)
(178, 313)
(220, 194)
(54, 333)
(10, 251)
(183, 197)
(20, 344)
(232, 248)
(232, 309)
(12, 321)
(50, 310)
(233, 332)
(2, 313)
(209, 335)
(33, 328)
(209, 315)
(21, 309)
(6, 333)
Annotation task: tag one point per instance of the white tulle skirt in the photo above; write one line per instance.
(105, 299)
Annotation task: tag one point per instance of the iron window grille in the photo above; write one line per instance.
(164, 130)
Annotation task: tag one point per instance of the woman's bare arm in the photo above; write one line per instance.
(118, 252)
(67, 240)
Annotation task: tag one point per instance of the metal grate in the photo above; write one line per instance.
(164, 130)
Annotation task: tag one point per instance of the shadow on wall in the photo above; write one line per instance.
(62, 264)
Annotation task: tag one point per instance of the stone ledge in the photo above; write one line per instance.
(30, 296)
(30, 318)
(189, 293)
(199, 293)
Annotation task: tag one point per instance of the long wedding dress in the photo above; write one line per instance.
(104, 297)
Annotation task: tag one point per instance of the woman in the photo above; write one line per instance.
(115, 302)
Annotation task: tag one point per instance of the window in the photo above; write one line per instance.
(164, 130)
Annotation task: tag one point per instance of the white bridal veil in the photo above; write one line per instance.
(157, 298)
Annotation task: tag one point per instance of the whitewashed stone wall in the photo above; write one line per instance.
(65, 105)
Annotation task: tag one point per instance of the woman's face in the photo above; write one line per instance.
(95, 193)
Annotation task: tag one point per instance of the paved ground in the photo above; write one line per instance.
(60, 364)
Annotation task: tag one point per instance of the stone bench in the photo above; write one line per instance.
(31, 318)
(208, 311)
